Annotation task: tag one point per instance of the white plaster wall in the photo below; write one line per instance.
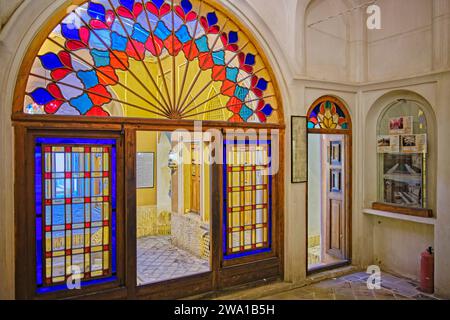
(280, 19)
(398, 244)
(7, 8)
(403, 46)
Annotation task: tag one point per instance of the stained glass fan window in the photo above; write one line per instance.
(153, 59)
(328, 113)
(75, 211)
(248, 203)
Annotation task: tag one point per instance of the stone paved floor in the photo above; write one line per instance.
(158, 260)
(354, 287)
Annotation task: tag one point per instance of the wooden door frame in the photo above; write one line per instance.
(348, 198)
(241, 271)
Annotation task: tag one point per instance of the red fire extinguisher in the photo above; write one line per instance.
(427, 271)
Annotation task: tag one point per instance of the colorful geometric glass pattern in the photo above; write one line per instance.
(75, 211)
(328, 115)
(248, 202)
(154, 59)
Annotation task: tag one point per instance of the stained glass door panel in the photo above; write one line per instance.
(75, 185)
(248, 202)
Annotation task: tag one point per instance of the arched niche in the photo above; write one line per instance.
(397, 104)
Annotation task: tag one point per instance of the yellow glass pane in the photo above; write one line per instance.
(105, 260)
(106, 186)
(106, 211)
(105, 235)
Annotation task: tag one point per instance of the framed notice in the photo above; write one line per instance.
(145, 169)
(401, 125)
(388, 144)
(299, 149)
(414, 143)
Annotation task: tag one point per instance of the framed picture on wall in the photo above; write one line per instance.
(299, 149)
(145, 170)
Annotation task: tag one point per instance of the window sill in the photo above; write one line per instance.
(399, 216)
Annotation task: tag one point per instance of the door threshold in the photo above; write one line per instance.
(328, 267)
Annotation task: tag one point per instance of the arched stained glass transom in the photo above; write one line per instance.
(156, 59)
(328, 113)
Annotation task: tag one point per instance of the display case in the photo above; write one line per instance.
(402, 148)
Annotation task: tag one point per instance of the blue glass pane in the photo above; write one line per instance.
(267, 110)
(232, 74)
(161, 31)
(101, 58)
(48, 215)
(78, 213)
(212, 19)
(50, 61)
(100, 40)
(158, 3)
(202, 44)
(233, 37)
(139, 33)
(58, 215)
(96, 11)
(219, 58)
(70, 32)
(119, 43)
(77, 188)
(77, 162)
(129, 4)
(250, 59)
(262, 84)
(41, 96)
(58, 189)
(241, 93)
(246, 113)
(89, 78)
(186, 5)
(83, 103)
(183, 35)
